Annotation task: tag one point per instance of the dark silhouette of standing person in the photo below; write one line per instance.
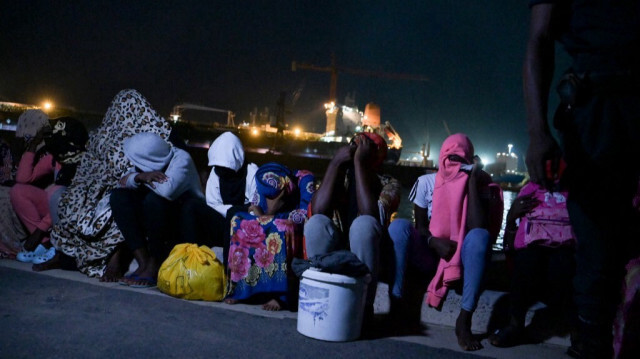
(599, 121)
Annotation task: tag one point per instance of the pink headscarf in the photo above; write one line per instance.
(449, 210)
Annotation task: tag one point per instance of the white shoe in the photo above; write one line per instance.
(27, 257)
(45, 257)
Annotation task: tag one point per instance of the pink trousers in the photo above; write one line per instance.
(31, 204)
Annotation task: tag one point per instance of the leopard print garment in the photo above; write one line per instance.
(86, 230)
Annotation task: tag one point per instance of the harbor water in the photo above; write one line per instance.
(406, 211)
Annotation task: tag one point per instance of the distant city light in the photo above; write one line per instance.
(175, 118)
(254, 131)
(297, 131)
(47, 105)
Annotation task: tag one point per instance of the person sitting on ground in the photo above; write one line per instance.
(539, 236)
(466, 215)
(67, 145)
(147, 204)
(265, 241)
(230, 188)
(85, 236)
(28, 138)
(64, 146)
(361, 201)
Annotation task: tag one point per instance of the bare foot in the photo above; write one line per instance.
(231, 301)
(117, 265)
(273, 305)
(53, 263)
(466, 340)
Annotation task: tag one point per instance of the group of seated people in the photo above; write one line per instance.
(131, 191)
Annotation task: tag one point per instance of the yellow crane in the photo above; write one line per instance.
(333, 69)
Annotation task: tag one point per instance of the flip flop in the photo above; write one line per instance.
(506, 337)
(124, 279)
(147, 282)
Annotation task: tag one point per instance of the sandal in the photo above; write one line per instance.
(508, 336)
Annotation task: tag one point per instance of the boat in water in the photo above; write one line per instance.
(198, 126)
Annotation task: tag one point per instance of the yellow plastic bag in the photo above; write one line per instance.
(192, 272)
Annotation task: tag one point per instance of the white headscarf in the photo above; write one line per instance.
(30, 122)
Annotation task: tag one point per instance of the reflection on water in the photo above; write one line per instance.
(406, 211)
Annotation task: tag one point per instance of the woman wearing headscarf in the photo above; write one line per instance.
(147, 204)
(86, 232)
(29, 140)
(230, 189)
(264, 241)
(31, 202)
(466, 217)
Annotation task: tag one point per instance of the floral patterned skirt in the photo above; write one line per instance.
(260, 253)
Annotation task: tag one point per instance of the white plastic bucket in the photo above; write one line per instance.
(330, 306)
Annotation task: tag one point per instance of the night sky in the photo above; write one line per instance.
(237, 55)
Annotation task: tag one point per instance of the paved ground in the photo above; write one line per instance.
(60, 314)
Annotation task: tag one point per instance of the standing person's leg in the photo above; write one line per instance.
(32, 207)
(365, 236)
(528, 272)
(599, 141)
(475, 253)
(321, 235)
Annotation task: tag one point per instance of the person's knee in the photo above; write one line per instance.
(119, 197)
(17, 192)
(316, 224)
(477, 241)
(400, 230)
(320, 235)
(365, 231)
(153, 203)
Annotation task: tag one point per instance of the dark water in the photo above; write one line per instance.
(406, 211)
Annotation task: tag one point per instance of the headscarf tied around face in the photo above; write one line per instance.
(449, 212)
(456, 144)
(273, 178)
(30, 122)
(380, 145)
(67, 141)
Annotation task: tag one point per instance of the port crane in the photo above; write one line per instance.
(333, 69)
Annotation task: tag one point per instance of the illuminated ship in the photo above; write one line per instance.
(198, 127)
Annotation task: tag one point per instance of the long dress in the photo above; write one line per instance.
(262, 247)
(86, 230)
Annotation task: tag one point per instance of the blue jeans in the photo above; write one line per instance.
(475, 255)
(408, 247)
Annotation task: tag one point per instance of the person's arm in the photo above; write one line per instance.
(365, 177)
(519, 208)
(28, 172)
(178, 174)
(537, 74)
(332, 184)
